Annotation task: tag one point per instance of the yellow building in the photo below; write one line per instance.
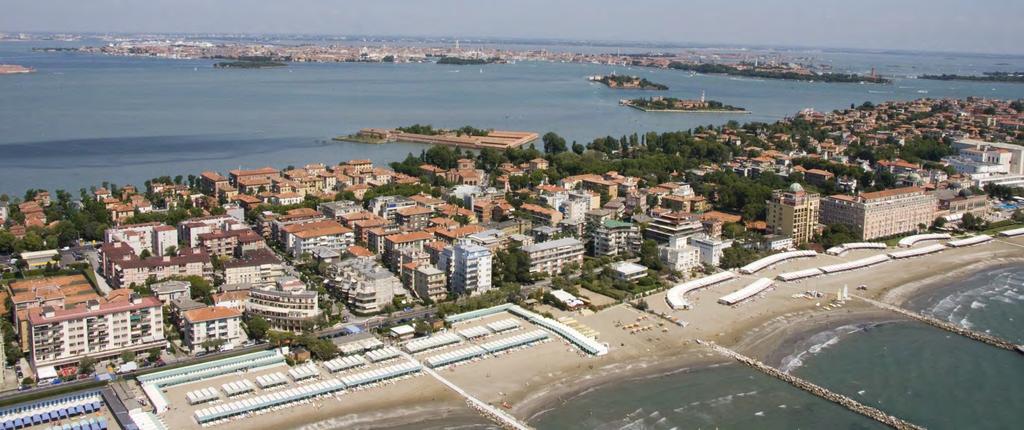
(794, 213)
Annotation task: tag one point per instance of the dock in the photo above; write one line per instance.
(845, 401)
(945, 325)
(503, 419)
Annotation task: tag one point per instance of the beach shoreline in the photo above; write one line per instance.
(771, 328)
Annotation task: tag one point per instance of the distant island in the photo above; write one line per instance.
(672, 104)
(627, 82)
(753, 71)
(459, 61)
(1017, 77)
(249, 64)
(466, 136)
(14, 69)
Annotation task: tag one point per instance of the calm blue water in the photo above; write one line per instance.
(925, 375)
(84, 119)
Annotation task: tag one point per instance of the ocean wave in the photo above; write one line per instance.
(818, 342)
(977, 305)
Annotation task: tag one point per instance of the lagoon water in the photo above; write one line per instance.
(84, 119)
(925, 375)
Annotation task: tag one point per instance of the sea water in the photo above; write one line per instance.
(917, 372)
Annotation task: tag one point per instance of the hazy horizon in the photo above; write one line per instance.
(911, 25)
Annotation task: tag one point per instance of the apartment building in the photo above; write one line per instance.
(190, 229)
(794, 213)
(882, 213)
(153, 237)
(678, 255)
(258, 268)
(303, 238)
(551, 256)
(231, 243)
(264, 173)
(97, 328)
(542, 215)
(287, 305)
(430, 283)
(366, 285)
(614, 237)
(673, 224)
(468, 266)
(394, 244)
(212, 323)
(132, 270)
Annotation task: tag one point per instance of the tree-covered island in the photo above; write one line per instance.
(672, 104)
(628, 82)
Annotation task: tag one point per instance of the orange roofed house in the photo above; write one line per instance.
(212, 326)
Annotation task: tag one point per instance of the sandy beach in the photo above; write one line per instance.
(544, 376)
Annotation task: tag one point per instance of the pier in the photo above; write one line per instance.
(945, 325)
(501, 418)
(847, 402)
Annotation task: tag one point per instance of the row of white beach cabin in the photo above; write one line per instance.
(203, 395)
(586, 343)
(303, 392)
(435, 341)
(747, 292)
(774, 259)
(1012, 233)
(909, 241)
(503, 325)
(305, 371)
(970, 241)
(917, 252)
(676, 296)
(474, 351)
(474, 332)
(238, 387)
(271, 380)
(385, 353)
(847, 247)
(344, 363)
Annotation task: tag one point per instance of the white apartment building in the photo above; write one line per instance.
(287, 305)
(94, 329)
(153, 237)
(711, 249)
(328, 234)
(468, 266)
(680, 256)
(211, 323)
(366, 285)
(551, 256)
(614, 237)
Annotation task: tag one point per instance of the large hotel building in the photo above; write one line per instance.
(882, 213)
(98, 328)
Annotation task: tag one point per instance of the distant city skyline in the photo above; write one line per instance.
(936, 25)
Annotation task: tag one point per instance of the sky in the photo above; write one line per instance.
(977, 26)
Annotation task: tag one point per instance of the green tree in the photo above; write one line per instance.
(553, 143)
(256, 328)
(649, 255)
(86, 366)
